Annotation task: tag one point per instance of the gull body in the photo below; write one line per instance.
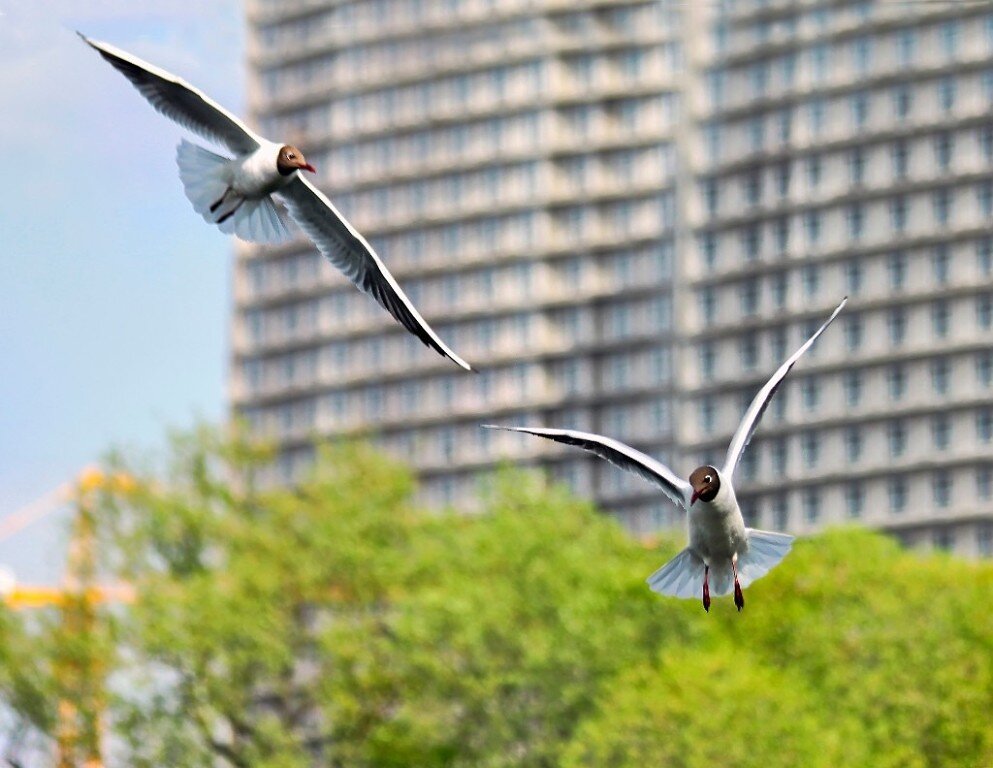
(236, 194)
(722, 555)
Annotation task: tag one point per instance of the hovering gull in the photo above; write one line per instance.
(236, 194)
(722, 552)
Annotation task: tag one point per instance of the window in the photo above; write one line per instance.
(897, 266)
(939, 264)
(707, 360)
(753, 187)
(853, 276)
(811, 392)
(707, 411)
(811, 505)
(748, 350)
(778, 341)
(942, 200)
(856, 166)
(984, 196)
(780, 513)
(898, 213)
(708, 247)
(941, 430)
(984, 255)
(896, 433)
(812, 222)
(896, 321)
(783, 178)
(984, 310)
(898, 494)
(946, 93)
(939, 318)
(984, 424)
(852, 383)
(853, 444)
(984, 368)
(862, 53)
(901, 155)
(906, 45)
(950, 39)
(814, 171)
(785, 123)
(777, 455)
(941, 488)
(986, 142)
(853, 332)
(984, 537)
(896, 381)
(810, 446)
(781, 229)
(811, 279)
(749, 296)
(752, 241)
(902, 101)
(856, 221)
(860, 108)
(779, 285)
(816, 111)
(708, 304)
(939, 375)
(854, 498)
(710, 195)
(943, 146)
(756, 133)
(819, 56)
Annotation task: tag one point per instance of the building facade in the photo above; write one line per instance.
(514, 164)
(626, 215)
(847, 148)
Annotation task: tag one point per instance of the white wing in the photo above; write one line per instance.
(180, 101)
(750, 420)
(344, 247)
(619, 455)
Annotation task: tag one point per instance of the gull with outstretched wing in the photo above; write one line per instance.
(722, 555)
(236, 194)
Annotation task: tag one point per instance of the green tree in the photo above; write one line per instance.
(854, 653)
(334, 622)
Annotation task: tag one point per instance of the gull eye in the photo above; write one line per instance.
(290, 156)
(708, 479)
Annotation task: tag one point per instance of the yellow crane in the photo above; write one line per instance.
(79, 669)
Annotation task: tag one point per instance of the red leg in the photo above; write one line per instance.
(739, 598)
(706, 588)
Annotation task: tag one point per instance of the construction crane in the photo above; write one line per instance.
(78, 670)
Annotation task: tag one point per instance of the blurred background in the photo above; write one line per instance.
(624, 213)
(627, 214)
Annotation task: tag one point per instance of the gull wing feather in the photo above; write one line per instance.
(344, 247)
(618, 454)
(753, 415)
(180, 101)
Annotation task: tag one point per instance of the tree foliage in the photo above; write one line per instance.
(336, 624)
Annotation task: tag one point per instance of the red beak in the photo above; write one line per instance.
(309, 167)
(694, 497)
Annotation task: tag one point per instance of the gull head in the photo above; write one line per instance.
(706, 482)
(291, 159)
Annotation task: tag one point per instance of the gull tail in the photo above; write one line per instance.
(680, 577)
(765, 551)
(206, 177)
(683, 575)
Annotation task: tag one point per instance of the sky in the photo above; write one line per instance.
(114, 294)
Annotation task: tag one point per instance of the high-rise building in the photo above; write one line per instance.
(847, 148)
(514, 164)
(626, 215)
